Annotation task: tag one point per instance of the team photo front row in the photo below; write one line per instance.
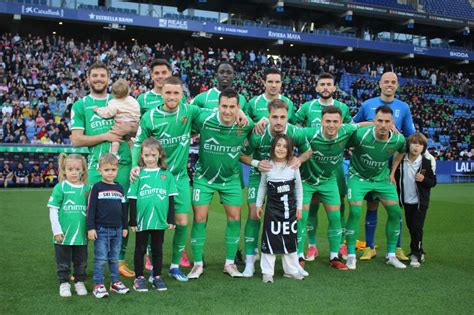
(147, 191)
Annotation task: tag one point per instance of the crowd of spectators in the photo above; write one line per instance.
(42, 76)
(22, 175)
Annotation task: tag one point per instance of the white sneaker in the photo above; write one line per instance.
(395, 262)
(65, 289)
(351, 262)
(80, 288)
(232, 271)
(414, 261)
(196, 272)
(267, 278)
(249, 270)
(296, 276)
(302, 272)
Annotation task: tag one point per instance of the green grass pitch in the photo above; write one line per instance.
(443, 284)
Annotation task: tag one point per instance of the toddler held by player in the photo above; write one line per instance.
(124, 109)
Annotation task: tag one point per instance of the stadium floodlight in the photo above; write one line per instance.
(280, 6)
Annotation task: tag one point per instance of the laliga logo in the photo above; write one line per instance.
(458, 54)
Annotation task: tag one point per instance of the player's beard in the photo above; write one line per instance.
(329, 96)
(98, 91)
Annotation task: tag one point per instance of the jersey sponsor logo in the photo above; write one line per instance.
(213, 146)
(369, 161)
(147, 190)
(168, 140)
(97, 122)
(321, 157)
(368, 146)
(71, 206)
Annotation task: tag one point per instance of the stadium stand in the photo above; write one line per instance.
(41, 77)
(454, 8)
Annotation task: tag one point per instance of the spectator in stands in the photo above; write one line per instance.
(8, 133)
(35, 140)
(21, 175)
(50, 175)
(36, 176)
(7, 175)
(40, 121)
(7, 107)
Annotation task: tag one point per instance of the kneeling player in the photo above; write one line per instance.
(282, 185)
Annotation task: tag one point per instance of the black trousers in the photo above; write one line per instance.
(415, 219)
(141, 242)
(65, 254)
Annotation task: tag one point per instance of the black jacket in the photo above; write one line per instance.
(423, 188)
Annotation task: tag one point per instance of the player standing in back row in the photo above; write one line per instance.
(310, 116)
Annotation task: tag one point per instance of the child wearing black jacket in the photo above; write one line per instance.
(415, 178)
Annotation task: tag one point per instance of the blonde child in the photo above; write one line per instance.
(151, 211)
(67, 212)
(283, 189)
(124, 109)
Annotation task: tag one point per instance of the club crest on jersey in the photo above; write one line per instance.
(340, 143)
(163, 176)
(390, 151)
(184, 120)
(238, 132)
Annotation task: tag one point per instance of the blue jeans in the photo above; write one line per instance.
(107, 249)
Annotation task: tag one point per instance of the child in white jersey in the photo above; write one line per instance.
(283, 189)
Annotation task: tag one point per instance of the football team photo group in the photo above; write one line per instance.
(241, 157)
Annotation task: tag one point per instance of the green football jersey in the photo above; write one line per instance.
(257, 108)
(173, 129)
(309, 114)
(370, 156)
(83, 117)
(151, 99)
(71, 201)
(219, 149)
(259, 146)
(210, 99)
(151, 190)
(327, 154)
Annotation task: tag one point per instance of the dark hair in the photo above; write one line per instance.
(153, 144)
(289, 144)
(225, 62)
(419, 138)
(326, 75)
(173, 81)
(384, 109)
(160, 62)
(331, 110)
(268, 71)
(276, 104)
(229, 93)
(97, 65)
